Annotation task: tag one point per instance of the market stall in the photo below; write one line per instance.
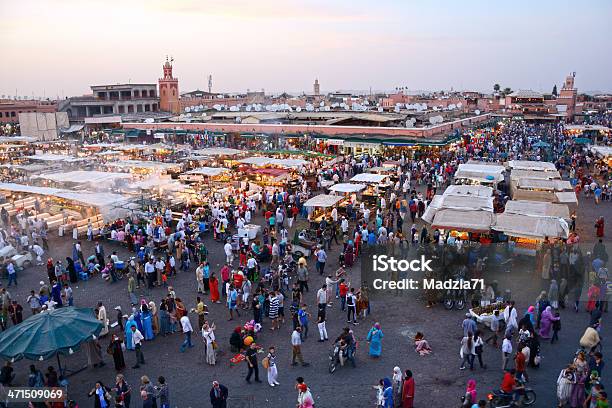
(319, 205)
(463, 221)
(92, 179)
(531, 165)
(479, 174)
(529, 231)
(534, 189)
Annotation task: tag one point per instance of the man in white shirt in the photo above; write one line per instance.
(334, 214)
(159, 269)
(296, 346)
(137, 339)
(510, 318)
(150, 273)
(187, 330)
(506, 351)
(344, 225)
(229, 254)
(322, 297)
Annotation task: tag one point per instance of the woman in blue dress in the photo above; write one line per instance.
(164, 319)
(388, 393)
(138, 320)
(375, 336)
(128, 332)
(147, 322)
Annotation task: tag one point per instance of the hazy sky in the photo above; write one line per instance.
(61, 47)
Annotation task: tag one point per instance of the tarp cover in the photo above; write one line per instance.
(460, 220)
(480, 172)
(540, 184)
(208, 171)
(537, 208)
(83, 176)
(544, 175)
(457, 202)
(369, 178)
(323, 201)
(531, 226)
(217, 151)
(469, 190)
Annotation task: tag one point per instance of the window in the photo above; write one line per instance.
(173, 92)
(163, 92)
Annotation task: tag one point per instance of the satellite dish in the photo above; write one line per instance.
(380, 109)
(187, 109)
(149, 120)
(477, 111)
(396, 109)
(327, 109)
(298, 109)
(322, 104)
(459, 104)
(248, 108)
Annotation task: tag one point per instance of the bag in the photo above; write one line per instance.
(479, 349)
(108, 396)
(537, 360)
(214, 345)
(265, 362)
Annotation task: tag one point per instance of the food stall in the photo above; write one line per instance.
(531, 165)
(534, 189)
(462, 223)
(603, 153)
(375, 183)
(94, 180)
(485, 314)
(207, 174)
(318, 206)
(529, 231)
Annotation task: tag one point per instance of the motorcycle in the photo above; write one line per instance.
(499, 399)
(334, 357)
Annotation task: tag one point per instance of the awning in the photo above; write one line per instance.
(208, 171)
(72, 128)
(537, 208)
(323, 201)
(531, 226)
(468, 221)
(369, 178)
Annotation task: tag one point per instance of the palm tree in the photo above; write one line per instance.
(506, 91)
(496, 87)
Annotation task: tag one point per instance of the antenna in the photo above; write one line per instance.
(210, 83)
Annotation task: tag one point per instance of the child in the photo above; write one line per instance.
(556, 326)
(164, 279)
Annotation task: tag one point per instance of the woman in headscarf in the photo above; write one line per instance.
(213, 283)
(147, 322)
(408, 390)
(154, 317)
(375, 336)
(470, 394)
(71, 270)
(546, 262)
(388, 393)
(528, 321)
(128, 332)
(593, 295)
(546, 323)
(304, 397)
(553, 294)
(541, 304)
(164, 319)
(397, 382)
(115, 350)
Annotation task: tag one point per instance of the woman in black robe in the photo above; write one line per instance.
(71, 270)
(114, 349)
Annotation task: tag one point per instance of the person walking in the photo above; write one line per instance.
(218, 395)
(408, 390)
(374, 337)
(468, 351)
(123, 390)
(116, 351)
(506, 351)
(187, 331)
(296, 348)
(210, 344)
(269, 362)
(251, 360)
(137, 339)
(321, 259)
(12, 274)
(479, 347)
(321, 324)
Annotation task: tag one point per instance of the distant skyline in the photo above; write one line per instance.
(62, 47)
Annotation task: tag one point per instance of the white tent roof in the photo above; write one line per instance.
(217, 151)
(541, 184)
(538, 208)
(208, 171)
(347, 187)
(257, 160)
(566, 197)
(82, 176)
(323, 201)
(457, 202)
(469, 190)
(84, 197)
(17, 139)
(369, 178)
(141, 164)
(22, 188)
(55, 157)
(289, 162)
(480, 172)
(531, 165)
(470, 221)
(531, 226)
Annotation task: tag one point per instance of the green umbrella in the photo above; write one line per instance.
(46, 334)
(541, 144)
(582, 140)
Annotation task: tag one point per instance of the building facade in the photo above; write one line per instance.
(10, 109)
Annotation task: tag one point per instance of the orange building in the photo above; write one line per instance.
(168, 90)
(10, 109)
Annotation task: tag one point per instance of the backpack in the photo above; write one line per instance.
(265, 362)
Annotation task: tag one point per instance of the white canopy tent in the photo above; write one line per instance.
(469, 190)
(208, 171)
(531, 226)
(461, 220)
(482, 173)
(347, 188)
(323, 201)
(531, 165)
(146, 165)
(83, 177)
(457, 202)
(602, 151)
(369, 178)
(257, 161)
(48, 157)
